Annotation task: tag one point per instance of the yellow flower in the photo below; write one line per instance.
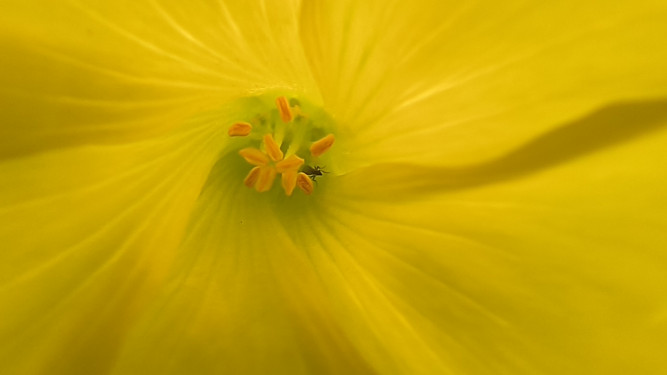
(493, 202)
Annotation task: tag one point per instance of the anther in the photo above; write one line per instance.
(284, 109)
(272, 148)
(265, 180)
(289, 181)
(304, 183)
(254, 156)
(251, 178)
(322, 145)
(239, 129)
(292, 162)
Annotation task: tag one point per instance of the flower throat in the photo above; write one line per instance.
(289, 139)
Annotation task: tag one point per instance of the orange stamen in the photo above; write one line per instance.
(239, 129)
(251, 178)
(284, 109)
(272, 148)
(289, 182)
(265, 180)
(292, 162)
(254, 156)
(322, 145)
(304, 183)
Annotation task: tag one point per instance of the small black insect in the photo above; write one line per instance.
(313, 172)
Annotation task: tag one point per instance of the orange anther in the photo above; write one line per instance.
(239, 129)
(289, 181)
(322, 145)
(304, 183)
(265, 180)
(272, 148)
(284, 109)
(292, 162)
(254, 156)
(251, 178)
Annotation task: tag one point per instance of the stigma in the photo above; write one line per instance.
(284, 141)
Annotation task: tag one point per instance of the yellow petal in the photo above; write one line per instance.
(86, 72)
(465, 82)
(242, 298)
(475, 266)
(384, 304)
(596, 133)
(87, 234)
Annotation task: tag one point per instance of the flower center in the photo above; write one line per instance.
(288, 137)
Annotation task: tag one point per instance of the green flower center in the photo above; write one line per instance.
(284, 135)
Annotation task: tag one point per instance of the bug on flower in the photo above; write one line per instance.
(313, 172)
